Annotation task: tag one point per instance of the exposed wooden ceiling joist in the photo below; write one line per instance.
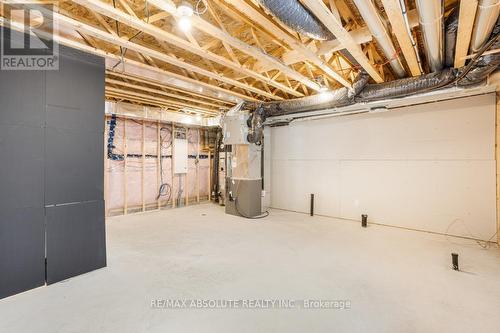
(255, 15)
(116, 14)
(113, 39)
(212, 30)
(125, 62)
(466, 18)
(321, 11)
(395, 15)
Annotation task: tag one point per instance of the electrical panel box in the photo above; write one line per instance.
(180, 156)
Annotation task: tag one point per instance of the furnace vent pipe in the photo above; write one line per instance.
(430, 14)
(486, 17)
(379, 30)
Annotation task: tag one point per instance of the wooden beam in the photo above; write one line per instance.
(165, 86)
(160, 92)
(497, 160)
(186, 187)
(106, 167)
(147, 101)
(125, 174)
(395, 15)
(466, 18)
(172, 147)
(143, 162)
(212, 30)
(158, 99)
(210, 174)
(321, 11)
(110, 38)
(158, 164)
(160, 34)
(19, 26)
(198, 166)
(264, 21)
(138, 100)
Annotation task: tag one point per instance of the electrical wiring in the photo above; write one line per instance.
(123, 51)
(162, 191)
(134, 162)
(483, 244)
(197, 7)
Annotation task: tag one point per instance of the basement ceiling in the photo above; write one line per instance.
(235, 50)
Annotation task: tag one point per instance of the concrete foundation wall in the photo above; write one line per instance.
(428, 167)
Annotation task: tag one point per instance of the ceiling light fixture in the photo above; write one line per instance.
(185, 11)
(184, 23)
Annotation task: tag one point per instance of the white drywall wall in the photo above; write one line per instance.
(421, 167)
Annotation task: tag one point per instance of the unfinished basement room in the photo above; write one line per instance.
(249, 166)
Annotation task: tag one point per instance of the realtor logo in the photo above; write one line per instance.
(27, 37)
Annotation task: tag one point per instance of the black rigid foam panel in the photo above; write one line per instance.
(22, 98)
(21, 167)
(22, 249)
(76, 241)
(22, 231)
(51, 147)
(78, 84)
(74, 166)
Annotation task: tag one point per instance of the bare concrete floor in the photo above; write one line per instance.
(396, 280)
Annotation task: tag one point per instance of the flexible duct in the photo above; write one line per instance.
(450, 37)
(404, 87)
(361, 92)
(331, 99)
(486, 17)
(431, 22)
(486, 65)
(379, 31)
(298, 18)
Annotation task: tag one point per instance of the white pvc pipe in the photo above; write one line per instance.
(486, 17)
(430, 14)
(378, 30)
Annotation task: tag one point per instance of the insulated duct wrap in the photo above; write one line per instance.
(361, 92)
(331, 99)
(407, 86)
(486, 65)
(298, 18)
(450, 38)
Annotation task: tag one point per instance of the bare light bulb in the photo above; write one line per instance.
(184, 23)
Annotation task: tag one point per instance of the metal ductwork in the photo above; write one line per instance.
(486, 65)
(405, 87)
(297, 17)
(431, 23)
(330, 99)
(486, 18)
(450, 37)
(474, 73)
(379, 30)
